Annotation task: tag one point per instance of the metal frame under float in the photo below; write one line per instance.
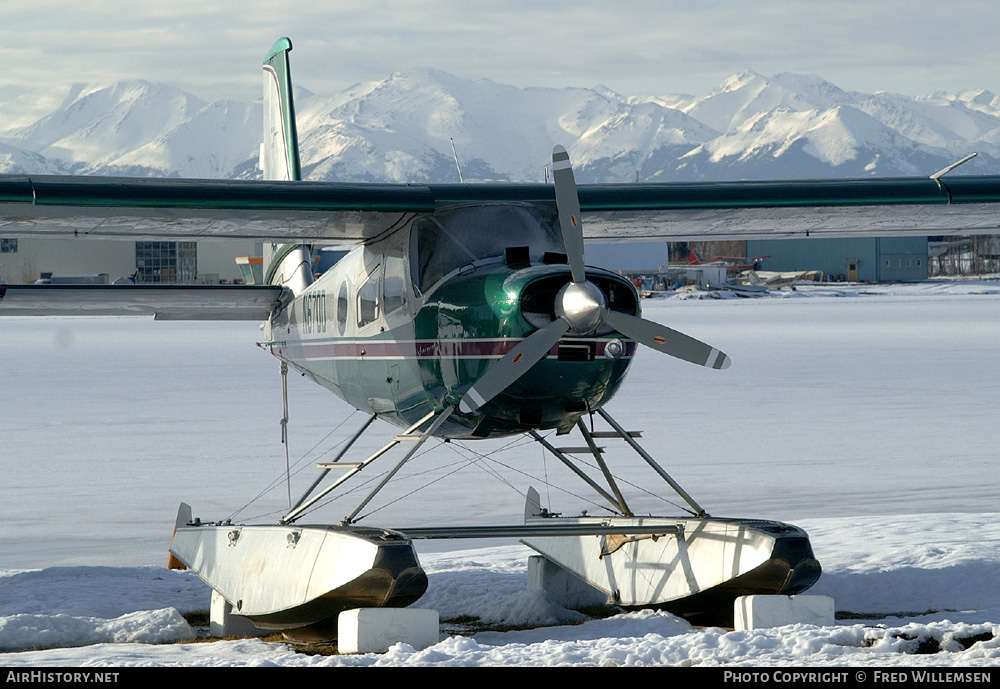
(299, 578)
(694, 565)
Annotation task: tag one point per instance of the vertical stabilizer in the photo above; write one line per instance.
(280, 152)
(289, 265)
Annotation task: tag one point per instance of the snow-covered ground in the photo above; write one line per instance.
(866, 415)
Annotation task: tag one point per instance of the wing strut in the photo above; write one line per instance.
(418, 438)
(436, 418)
(628, 438)
(284, 428)
(617, 432)
(347, 446)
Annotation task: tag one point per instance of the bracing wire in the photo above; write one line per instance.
(471, 458)
(531, 477)
(481, 460)
(452, 468)
(300, 465)
(369, 481)
(591, 465)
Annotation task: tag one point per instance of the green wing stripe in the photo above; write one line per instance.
(737, 195)
(15, 189)
(771, 194)
(124, 192)
(54, 190)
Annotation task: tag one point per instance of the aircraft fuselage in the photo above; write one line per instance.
(405, 325)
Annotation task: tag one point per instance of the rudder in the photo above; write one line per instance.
(289, 265)
(280, 150)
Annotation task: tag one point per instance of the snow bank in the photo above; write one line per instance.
(22, 632)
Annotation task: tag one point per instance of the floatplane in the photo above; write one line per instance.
(733, 264)
(464, 311)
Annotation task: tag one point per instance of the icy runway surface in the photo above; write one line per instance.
(867, 415)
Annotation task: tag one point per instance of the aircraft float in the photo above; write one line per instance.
(465, 311)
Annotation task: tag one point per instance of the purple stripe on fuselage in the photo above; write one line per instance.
(422, 349)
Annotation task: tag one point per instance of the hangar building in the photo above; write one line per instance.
(26, 260)
(868, 259)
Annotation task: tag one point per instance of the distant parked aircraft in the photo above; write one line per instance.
(733, 264)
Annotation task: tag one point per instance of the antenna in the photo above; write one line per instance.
(455, 151)
(945, 171)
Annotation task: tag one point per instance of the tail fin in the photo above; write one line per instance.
(279, 157)
(694, 259)
(289, 265)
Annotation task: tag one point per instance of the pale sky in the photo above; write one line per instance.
(214, 47)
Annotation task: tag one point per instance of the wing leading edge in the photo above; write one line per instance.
(137, 209)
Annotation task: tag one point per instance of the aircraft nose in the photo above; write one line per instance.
(582, 304)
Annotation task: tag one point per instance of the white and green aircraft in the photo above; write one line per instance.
(465, 311)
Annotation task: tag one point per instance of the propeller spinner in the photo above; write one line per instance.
(581, 310)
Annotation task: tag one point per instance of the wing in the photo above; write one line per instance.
(180, 209)
(185, 209)
(295, 211)
(164, 302)
(916, 206)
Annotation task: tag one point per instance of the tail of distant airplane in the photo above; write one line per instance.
(694, 259)
(289, 265)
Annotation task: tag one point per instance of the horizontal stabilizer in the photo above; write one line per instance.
(164, 302)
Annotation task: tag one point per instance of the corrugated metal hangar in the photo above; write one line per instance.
(870, 259)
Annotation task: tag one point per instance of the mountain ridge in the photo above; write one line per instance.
(402, 128)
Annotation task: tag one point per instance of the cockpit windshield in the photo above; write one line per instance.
(460, 236)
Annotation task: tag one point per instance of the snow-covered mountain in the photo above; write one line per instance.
(401, 129)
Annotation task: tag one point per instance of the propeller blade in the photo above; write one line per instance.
(568, 206)
(513, 365)
(667, 340)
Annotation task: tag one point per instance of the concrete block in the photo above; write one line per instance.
(561, 586)
(223, 622)
(375, 630)
(762, 612)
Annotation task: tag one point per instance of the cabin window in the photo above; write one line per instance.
(342, 309)
(368, 300)
(394, 284)
(459, 237)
